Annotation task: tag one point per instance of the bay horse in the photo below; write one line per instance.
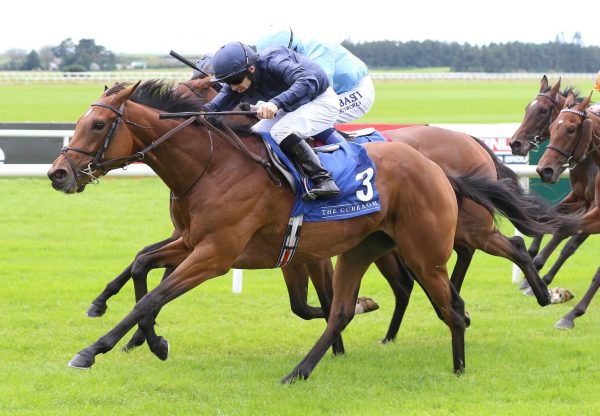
(457, 153)
(230, 213)
(575, 137)
(533, 130)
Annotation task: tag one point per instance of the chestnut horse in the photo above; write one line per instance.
(575, 137)
(533, 130)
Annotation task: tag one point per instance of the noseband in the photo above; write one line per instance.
(538, 138)
(571, 162)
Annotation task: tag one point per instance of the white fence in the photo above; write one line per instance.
(113, 76)
(488, 132)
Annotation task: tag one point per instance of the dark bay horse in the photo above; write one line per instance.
(533, 130)
(575, 137)
(456, 153)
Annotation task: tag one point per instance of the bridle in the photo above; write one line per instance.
(571, 161)
(98, 164)
(538, 138)
(228, 135)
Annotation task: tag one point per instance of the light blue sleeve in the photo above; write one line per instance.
(323, 54)
(349, 70)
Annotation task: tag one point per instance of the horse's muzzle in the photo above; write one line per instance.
(62, 180)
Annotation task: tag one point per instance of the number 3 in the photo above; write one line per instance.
(367, 175)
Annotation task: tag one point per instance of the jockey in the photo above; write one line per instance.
(348, 75)
(596, 107)
(294, 97)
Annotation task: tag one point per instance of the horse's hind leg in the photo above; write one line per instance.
(321, 275)
(567, 321)
(464, 255)
(398, 277)
(98, 306)
(534, 248)
(514, 249)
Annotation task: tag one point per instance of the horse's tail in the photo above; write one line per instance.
(529, 213)
(502, 171)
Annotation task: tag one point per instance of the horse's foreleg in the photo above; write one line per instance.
(296, 279)
(534, 248)
(540, 260)
(567, 251)
(567, 321)
(98, 306)
(349, 269)
(138, 337)
(464, 255)
(398, 277)
(170, 256)
(202, 264)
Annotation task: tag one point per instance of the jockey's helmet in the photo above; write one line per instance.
(232, 60)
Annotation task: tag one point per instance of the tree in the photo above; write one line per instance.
(32, 62)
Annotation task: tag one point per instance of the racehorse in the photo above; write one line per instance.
(575, 137)
(456, 153)
(533, 130)
(231, 213)
(224, 222)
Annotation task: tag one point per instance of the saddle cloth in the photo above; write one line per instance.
(354, 173)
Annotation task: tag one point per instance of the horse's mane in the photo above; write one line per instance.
(568, 89)
(162, 95)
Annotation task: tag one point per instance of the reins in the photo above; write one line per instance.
(537, 139)
(228, 136)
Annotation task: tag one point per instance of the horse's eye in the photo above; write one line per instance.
(98, 125)
(543, 110)
(570, 130)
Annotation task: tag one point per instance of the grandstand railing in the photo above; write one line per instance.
(112, 76)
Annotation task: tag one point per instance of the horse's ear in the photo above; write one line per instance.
(585, 102)
(570, 100)
(544, 84)
(105, 87)
(132, 90)
(555, 88)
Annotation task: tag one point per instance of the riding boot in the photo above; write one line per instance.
(330, 136)
(300, 152)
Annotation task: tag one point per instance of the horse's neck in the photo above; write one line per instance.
(595, 142)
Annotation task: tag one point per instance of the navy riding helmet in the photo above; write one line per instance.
(232, 60)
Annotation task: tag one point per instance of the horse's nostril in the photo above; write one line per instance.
(58, 175)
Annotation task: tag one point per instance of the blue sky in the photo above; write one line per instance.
(192, 28)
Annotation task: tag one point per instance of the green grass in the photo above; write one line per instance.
(420, 102)
(229, 351)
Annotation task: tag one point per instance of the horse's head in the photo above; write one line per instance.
(98, 138)
(570, 138)
(539, 114)
(199, 87)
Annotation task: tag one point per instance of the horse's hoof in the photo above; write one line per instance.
(560, 295)
(467, 319)
(294, 376)
(527, 291)
(564, 323)
(387, 340)
(82, 361)
(365, 305)
(96, 311)
(161, 349)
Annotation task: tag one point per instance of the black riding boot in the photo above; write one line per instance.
(300, 152)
